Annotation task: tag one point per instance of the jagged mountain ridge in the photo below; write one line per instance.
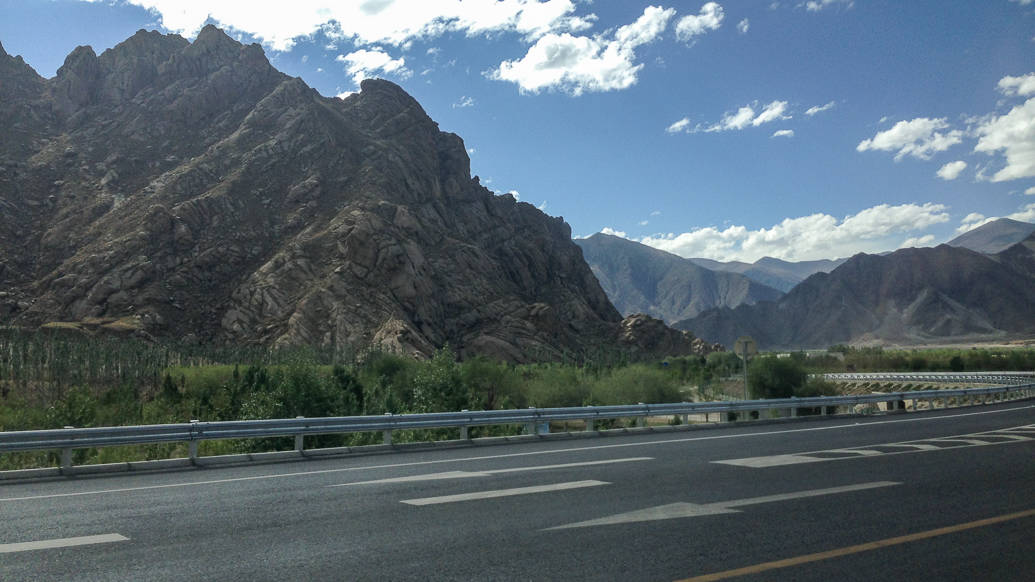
(910, 296)
(641, 279)
(198, 192)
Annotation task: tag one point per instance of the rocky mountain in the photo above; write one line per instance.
(641, 279)
(994, 237)
(189, 190)
(776, 273)
(911, 296)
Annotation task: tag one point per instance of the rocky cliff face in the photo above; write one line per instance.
(910, 296)
(198, 192)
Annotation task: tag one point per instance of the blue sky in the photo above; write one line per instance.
(726, 130)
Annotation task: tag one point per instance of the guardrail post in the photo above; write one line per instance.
(192, 445)
(463, 428)
(387, 433)
(530, 427)
(299, 439)
(66, 459)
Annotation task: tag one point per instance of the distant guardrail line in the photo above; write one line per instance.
(535, 420)
(1003, 378)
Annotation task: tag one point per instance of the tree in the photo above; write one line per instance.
(772, 377)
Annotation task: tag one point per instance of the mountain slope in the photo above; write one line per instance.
(193, 191)
(640, 279)
(909, 296)
(994, 237)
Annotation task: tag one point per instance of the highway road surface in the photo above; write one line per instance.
(946, 495)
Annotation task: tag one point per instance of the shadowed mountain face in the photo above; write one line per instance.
(994, 237)
(194, 191)
(907, 297)
(640, 279)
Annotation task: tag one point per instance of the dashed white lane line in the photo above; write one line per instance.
(62, 543)
(503, 492)
(488, 473)
(989, 438)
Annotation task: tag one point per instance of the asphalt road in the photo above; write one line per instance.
(947, 495)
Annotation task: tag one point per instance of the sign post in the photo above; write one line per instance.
(745, 347)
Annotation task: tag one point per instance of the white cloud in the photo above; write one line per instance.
(1023, 2)
(952, 170)
(772, 112)
(679, 126)
(393, 22)
(973, 220)
(364, 63)
(821, 108)
(817, 5)
(656, 213)
(1030, 191)
(644, 222)
(577, 64)
(819, 236)
(919, 138)
(783, 133)
(1014, 135)
(743, 26)
(1022, 86)
(709, 18)
(464, 101)
(917, 241)
(612, 232)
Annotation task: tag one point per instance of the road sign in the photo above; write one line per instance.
(745, 347)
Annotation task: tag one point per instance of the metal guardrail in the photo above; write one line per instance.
(535, 420)
(937, 377)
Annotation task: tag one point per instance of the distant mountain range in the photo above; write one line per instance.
(641, 279)
(910, 296)
(775, 273)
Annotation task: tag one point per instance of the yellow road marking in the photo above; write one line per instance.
(807, 558)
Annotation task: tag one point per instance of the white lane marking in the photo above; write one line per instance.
(918, 446)
(860, 452)
(488, 473)
(62, 543)
(680, 510)
(854, 425)
(504, 492)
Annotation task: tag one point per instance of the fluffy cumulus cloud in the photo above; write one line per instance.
(364, 63)
(577, 64)
(783, 133)
(613, 232)
(1022, 86)
(743, 26)
(819, 108)
(389, 22)
(918, 241)
(952, 170)
(679, 126)
(1013, 133)
(818, 236)
(691, 26)
(1030, 191)
(920, 138)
